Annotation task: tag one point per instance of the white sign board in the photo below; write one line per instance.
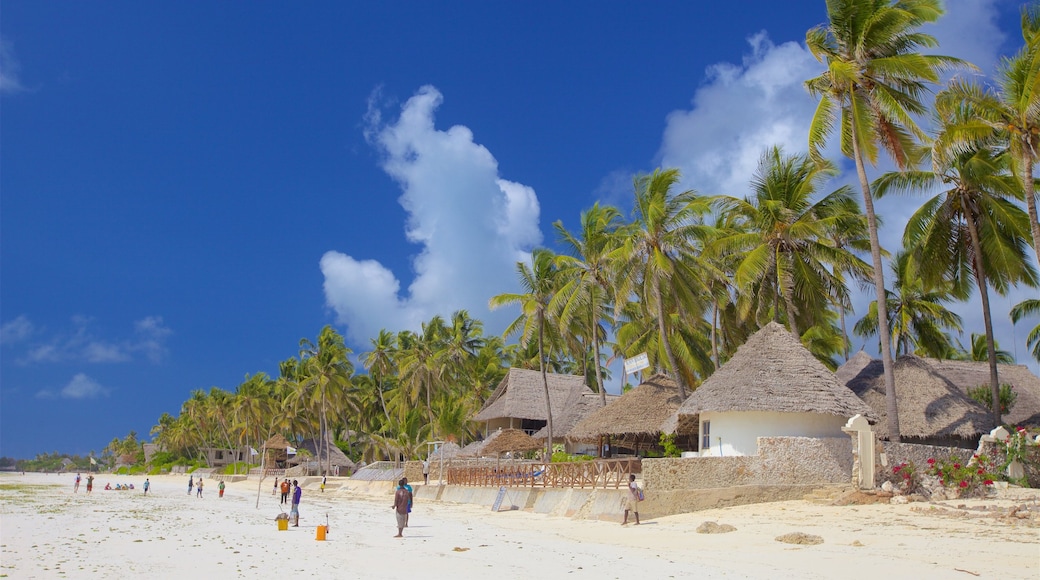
(636, 363)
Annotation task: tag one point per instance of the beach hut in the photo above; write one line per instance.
(508, 440)
(638, 417)
(339, 463)
(771, 387)
(580, 404)
(519, 401)
(276, 452)
(932, 410)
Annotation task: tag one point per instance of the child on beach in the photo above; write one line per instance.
(75, 488)
(221, 488)
(90, 483)
(191, 483)
(275, 490)
(146, 484)
(198, 485)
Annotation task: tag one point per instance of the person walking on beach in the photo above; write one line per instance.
(90, 483)
(191, 483)
(295, 511)
(402, 499)
(632, 499)
(75, 488)
(198, 485)
(426, 471)
(275, 490)
(285, 490)
(147, 484)
(221, 488)
(411, 495)
(322, 484)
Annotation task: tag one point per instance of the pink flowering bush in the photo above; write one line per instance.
(970, 478)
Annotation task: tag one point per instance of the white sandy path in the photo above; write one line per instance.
(49, 532)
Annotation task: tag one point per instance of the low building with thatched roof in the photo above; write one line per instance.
(580, 404)
(932, 410)
(636, 420)
(969, 374)
(519, 401)
(315, 458)
(772, 387)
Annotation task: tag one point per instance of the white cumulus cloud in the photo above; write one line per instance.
(80, 387)
(17, 330)
(9, 70)
(472, 227)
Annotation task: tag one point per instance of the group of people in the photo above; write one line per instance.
(108, 486)
(192, 483)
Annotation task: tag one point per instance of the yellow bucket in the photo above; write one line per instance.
(283, 525)
(321, 533)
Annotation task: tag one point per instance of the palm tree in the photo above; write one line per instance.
(585, 276)
(970, 231)
(872, 87)
(1008, 117)
(783, 240)
(418, 364)
(327, 368)
(380, 363)
(539, 285)
(1023, 309)
(917, 317)
(979, 351)
(661, 260)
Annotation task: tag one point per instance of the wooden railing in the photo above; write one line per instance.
(600, 473)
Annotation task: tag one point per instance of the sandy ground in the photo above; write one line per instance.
(47, 531)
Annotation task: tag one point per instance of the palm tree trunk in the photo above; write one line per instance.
(595, 353)
(715, 333)
(662, 328)
(844, 332)
(980, 278)
(545, 385)
(891, 408)
(788, 284)
(1030, 191)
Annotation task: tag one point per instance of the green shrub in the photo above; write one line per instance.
(984, 394)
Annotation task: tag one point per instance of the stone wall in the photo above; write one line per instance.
(898, 453)
(798, 461)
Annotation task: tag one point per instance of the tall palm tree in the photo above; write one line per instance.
(972, 230)
(380, 363)
(1029, 307)
(872, 89)
(783, 238)
(417, 363)
(917, 317)
(586, 279)
(660, 258)
(538, 283)
(1008, 117)
(327, 367)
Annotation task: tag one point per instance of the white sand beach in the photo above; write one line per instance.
(47, 531)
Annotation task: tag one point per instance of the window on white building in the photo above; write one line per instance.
(705, 435)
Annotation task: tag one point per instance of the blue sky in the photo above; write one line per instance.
(190, 188)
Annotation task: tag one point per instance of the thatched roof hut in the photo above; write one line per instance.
(276, 450)
(316, 449)
(637, 415)
(774, 372)
(521, 395)
(931, 408)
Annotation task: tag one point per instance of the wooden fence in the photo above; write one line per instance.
(602, 473)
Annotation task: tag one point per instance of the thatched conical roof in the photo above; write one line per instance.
(773, 371)
(852, 367)
(521, 395)
(446, 451)
(929, 405)
(640, 411)
(277, 442)
(505, 440)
